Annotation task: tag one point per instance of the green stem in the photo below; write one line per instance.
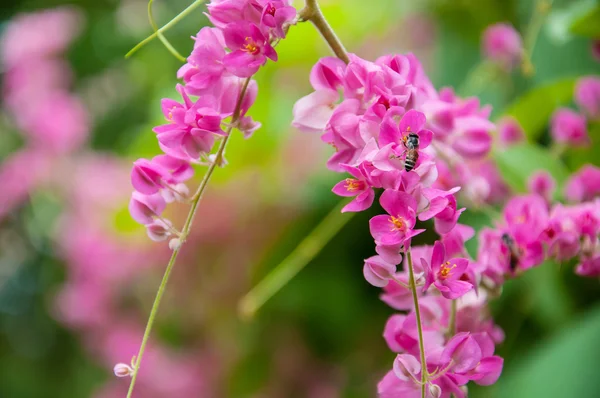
(295, 261)
(413, 289)
(312, 12)
(166, 27)
(184, 234)
(542, 8)
(162, 38)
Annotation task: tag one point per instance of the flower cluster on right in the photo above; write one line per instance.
(421, 152)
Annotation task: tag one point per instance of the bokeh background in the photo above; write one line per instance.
(78, 275)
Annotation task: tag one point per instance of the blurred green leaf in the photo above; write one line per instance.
(534, 108)
(564, 366)
(588, 25)
(518, 162)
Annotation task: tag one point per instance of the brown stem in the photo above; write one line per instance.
(312, 12)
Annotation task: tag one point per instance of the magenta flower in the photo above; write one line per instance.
(145, 208)
(584, 184)
(542, 183)
(502, 45)
(312, 112)
(148, 177)
(250, 49)
(204, 66)
(192, 128)
(569, 127)
(377, 271)
(472, 138)
(358, 186)
(446, 276)
(328, 74)
(510, 131)
(396, 133)
(275, 14)
(587, 96)
(396, 227)
(223, 12)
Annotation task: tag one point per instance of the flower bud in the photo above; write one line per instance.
(175, 244)
(587, 96)
(510, 131)
(144, 208)
(502, 45)
(435, 391)
(159, 230)
(569, 127)
(123, 370)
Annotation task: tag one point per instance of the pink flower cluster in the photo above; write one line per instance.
(215, 95)
(502, 45)
(37, 97)
(569, 127)
(389, 132)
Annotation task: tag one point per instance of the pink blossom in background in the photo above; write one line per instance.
(28, 35)
(569, 127)
(587, 96)
(543, 184)
(583, 185)
(502, 45)
(510, 131)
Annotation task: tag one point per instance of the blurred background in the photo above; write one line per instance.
(78, 275)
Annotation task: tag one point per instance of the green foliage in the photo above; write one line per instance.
(517, 163)
(588, 25)
(533, 109)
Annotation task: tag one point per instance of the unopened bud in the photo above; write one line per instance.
(175, 244)
(159, 230)
(123, 370)
(435, 391)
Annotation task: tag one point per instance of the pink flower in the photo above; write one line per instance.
(377, 271)
(584, 184)
(442, 205)
(587, 96)
(223, 12)
(250, 49)
(275, 14)
(312, 112)
(510, 131)
(398, 226)
(446, 276)
(542, 183)
(472, 138)
(502, 45)
(148, 177)
(589, 267)
(569, 127)
(357, 186)
(396, 133)
(204, 66)
(145, 208)
(192, 126)
(328, 74)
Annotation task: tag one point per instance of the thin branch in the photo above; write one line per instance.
(413, 288)
(162, 38)
(184, 234)
(312, 12)
(166, 27)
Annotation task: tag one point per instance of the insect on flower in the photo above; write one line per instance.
(411, 142)
(515, 253)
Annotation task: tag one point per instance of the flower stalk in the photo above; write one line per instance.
(312, 12)
(413, 289)
(184, 234)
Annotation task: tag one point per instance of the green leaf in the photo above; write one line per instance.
(588, 25)
(534, 108)
(564, 366)
(517, 163)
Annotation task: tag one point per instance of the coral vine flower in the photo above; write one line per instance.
(377, 271)
(276, 14)
(396, 132)
(398, 226)
(250, 49)
(587, 96)
(446, 276)
(569, 127)
(502, 44)
(358, 186)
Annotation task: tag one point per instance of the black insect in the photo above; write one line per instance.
(515, 253)
(411, 142)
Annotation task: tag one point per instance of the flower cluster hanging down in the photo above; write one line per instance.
(216, 95)
(387, 133)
